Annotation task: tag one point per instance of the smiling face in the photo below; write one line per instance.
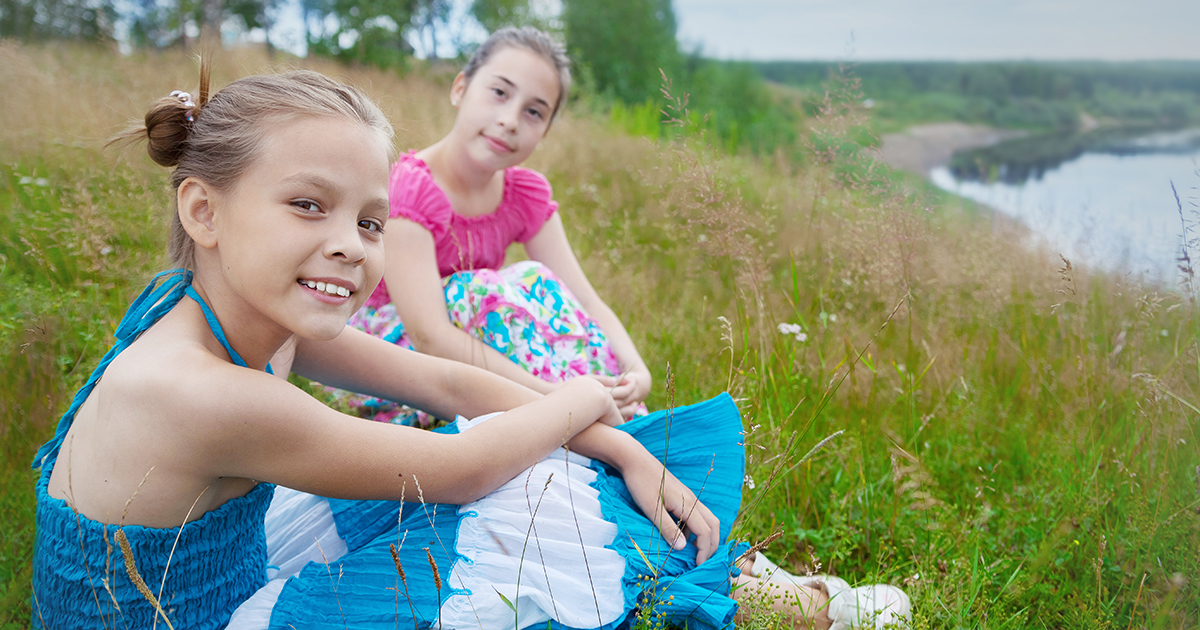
(297, 242)
(505, 109)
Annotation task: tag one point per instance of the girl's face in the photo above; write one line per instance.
(299, 234)
(505, 109)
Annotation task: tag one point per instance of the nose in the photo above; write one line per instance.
(345, 243)
(509, 116)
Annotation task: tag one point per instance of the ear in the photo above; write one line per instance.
(458, 88)
(195, 198)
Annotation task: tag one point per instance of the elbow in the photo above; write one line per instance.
(471, 489)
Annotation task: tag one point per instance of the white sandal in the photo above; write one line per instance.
(871, 606)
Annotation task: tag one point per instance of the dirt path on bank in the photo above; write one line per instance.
(922, 148)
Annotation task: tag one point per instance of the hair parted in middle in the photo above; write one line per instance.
(535, 41)
(225, 133)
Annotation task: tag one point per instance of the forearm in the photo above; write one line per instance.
(561, 418)
(609, 445)
(618, 337)
(454, 344)
(359, 362)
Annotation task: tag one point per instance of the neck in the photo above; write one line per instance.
(254, 338)
(454, 168)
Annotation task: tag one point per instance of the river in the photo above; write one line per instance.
(1111, 208)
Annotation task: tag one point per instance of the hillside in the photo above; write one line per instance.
(1016, 438)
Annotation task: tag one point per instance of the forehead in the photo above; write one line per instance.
(340, 149)
(525, 69)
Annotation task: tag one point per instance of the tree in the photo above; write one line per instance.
(623, 43)
(58, 19)
(496, 14)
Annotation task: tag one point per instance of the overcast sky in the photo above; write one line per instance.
(865, 30)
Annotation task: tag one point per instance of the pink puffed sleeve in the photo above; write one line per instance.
(531, 197)
(414, 195)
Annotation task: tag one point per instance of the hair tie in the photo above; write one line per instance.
(186, 99)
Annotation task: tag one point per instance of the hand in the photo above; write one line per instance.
(611, 415)
(632, 390)
(666, 501)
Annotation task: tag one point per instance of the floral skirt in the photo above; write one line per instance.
(523, 311)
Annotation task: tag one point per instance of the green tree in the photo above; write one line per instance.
(495, 14)
(623, 44)
(57, 19)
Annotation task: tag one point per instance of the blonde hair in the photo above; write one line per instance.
(533, 40)
(216, 140)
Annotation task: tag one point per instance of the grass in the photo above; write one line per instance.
(1020, 441)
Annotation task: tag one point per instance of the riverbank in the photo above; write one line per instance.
(922, 148)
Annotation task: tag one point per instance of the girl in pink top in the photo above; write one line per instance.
(456, 207)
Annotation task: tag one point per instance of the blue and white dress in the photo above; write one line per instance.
(562, 545)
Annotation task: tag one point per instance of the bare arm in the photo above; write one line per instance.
(661, 497)
(551, 248)
(263, 428)
(412, 279)
(359, 362)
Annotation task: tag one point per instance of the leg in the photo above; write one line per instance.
(801, 606)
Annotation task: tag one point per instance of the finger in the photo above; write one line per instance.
(669, 530)
(607, 381)
(622, 391)
(707, 536)
(628, 410)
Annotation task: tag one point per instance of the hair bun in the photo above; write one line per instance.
(167, 125)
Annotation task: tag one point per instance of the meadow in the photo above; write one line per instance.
(1011, 437)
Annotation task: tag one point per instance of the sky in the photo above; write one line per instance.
(869, 30)
(959, 30)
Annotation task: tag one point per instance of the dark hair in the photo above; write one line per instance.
(533, 40)
(216, 140)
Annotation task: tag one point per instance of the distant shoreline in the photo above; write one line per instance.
(922, 148)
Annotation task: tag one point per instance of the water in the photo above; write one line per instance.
(1113, 210)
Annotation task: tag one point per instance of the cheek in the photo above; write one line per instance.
(375, 258)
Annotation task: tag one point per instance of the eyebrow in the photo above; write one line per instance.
(311, 179)
(536, 98)
(327, 185)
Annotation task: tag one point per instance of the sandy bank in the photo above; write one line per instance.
(922, 148)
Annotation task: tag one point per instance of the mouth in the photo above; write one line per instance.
(499, 145)
(330, 287)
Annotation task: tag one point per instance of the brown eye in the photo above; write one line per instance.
(371, 225)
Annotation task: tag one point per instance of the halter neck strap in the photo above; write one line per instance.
(217, 331)
(157, 299)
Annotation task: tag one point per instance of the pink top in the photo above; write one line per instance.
(464, 243)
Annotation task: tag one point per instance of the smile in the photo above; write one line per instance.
(499, 144)
(327, 288)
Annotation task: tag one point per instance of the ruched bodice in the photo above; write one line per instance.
(210, 565)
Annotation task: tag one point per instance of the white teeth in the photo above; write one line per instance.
(327, 288)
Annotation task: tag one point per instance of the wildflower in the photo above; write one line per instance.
(793, 329)
(749, 482)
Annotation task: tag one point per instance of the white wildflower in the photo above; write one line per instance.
(833, 318)
(801, 337)
(749, 482)
(789, 329)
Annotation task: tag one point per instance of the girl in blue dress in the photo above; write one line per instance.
(155, 494)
